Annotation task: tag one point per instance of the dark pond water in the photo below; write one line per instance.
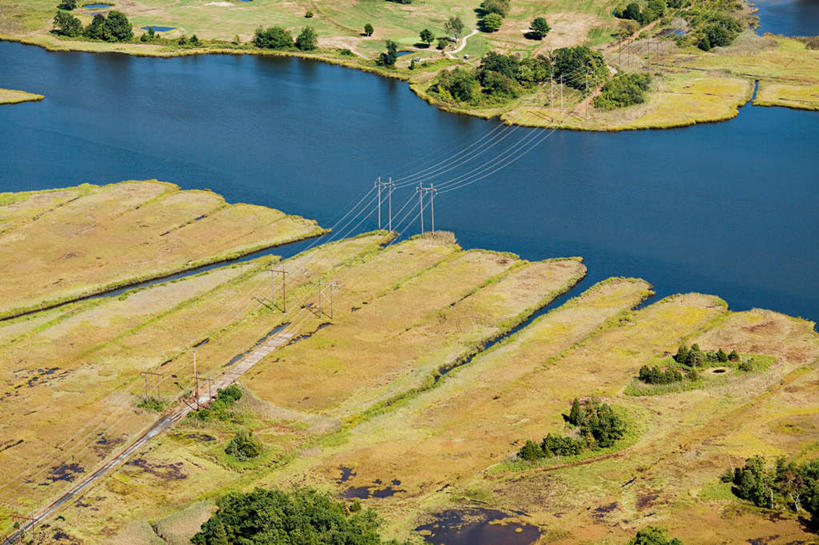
(159, 28)
(728, 208)
(97, 6)
(477, 527)
(788, 17)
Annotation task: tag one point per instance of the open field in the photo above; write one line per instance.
(10, 96)
(399, 400)
(690, 86)
(89, 239)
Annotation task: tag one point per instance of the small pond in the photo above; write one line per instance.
(403, 53)
(97, 6)
(159, 28)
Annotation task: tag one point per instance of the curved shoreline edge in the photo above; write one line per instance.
(55, 45)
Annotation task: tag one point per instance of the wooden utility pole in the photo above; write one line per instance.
(274, 272)
(421, 211)
(210, 383)
(378, 188)
(195, 381)
(145, 376)
(390, 186)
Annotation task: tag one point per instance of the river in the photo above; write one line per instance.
(727, 208)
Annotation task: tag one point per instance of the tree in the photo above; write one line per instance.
(67, 5)
(273, 38)
(458, 85)
(308, 14)
(391, 55)
(501, 7)
(539, 28)
(307, 40)
(244, 446)
(651, 535)
(454, 27)
(182, 40)
(722, 356)
(368, 29)
(491, 22)
(575, 64)
(427, 36)
(219, 534)
(632, 11)
(67, 25)
(96, 29)
(576, 414)
(274, 517)
(530, 452)
(119, 28)
(194, 40)
(443, 41)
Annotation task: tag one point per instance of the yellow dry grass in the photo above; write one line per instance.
(123, 233)
(803, 97)
(10, 96)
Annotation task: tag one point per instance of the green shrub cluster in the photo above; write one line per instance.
(579, 66)
(694, 357)
(298, 517)
(597, 427)
(492, 14)
(653, 10)
(113, 28)
(153, 404)
(655, 375)
(795, 486)
(652, 535)
(388, 57)
(623, 90)
(219, 408)
(244, 446)
(277, 37)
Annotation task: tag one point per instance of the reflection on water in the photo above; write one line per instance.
(788, 17)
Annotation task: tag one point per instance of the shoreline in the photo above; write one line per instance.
(416, 85)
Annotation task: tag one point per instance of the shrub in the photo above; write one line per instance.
(244, 446)
(275, 517)
(308, 14)
(654, 375)
(194, 40)
(574, 64)
(454, 27)
(491, 22)
(67, 5)
(427, 36)
(182, 40)
(67, 25)
(651, 535)
(539, 27)
(443, 41)
(273, 38)
(623, 90)
(733, 356)
(307, 39)
(220, 407)
(501, 7)
(114, 28)
(555, 445)
(389, 57)
(368, 29)
(530, 451)
(457, 85)
(746, 366)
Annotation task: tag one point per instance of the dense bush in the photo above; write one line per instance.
(597, 426)
(491, 22)
(454, 27)
(220, 407)
(538, 28)
(787, 484)
(368, 29)
(501, 7)
(244, 446)
(307, 40)
(67, 25)
(623, 90)
(654, 375)
(717, 30)
(274, 37)
(653, 11)
(458, 85)
(651, 535)
(574, 65)
(114, 28)
(67, 5)
(694, 357)
(389, 57)
(273, 517)
(427, 36)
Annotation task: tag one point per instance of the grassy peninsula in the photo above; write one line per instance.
(10, 96)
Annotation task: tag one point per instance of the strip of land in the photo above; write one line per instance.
(10, 96)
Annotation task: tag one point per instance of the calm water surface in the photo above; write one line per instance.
(788, 17)
(729, 208)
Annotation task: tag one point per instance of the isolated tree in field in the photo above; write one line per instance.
(67, 25)
(194, 40)
(443, 41)
(119, 27)
(454, 27)
(539, 27)
(368, 29)
(491, 22)
(68, 5)
(307, 40)
(390, 56)
(501, 7)
(427, 36)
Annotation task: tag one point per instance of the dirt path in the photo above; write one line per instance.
(164, 423)
(451, 54)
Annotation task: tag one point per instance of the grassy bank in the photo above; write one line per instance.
(10, 96)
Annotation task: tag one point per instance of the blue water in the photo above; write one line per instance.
(402, 53)
(727, 208)
(97, 6)
(788, 17)
(159, 28)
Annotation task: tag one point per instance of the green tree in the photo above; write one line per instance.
(273, 38)
(219, 534)
(244, 446)
(491, 22)
(651, 535)
(443, 41)
(501, 7)
(67, 5)
(96, 29)
(454, 27)
(66, 24)
(307, 40)
(458, 85)
(194, 40)
(182, 40)
(308, 14)
(722, 356)
(427, 36)
(530, 452)
(632, 12)
(368, 29)
(539, 28)
(390, 56)
(576, 415)
(119, 28)
(577, 65)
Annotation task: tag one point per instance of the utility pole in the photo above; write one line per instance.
(378, 187)
(552, 93)
(390, 186)
(332, 285)
(432, 191)
(210, 383)
(586, 107)
(421, 211)
(195, 381)
(561, 99)
(145, 376)
(273, 273)
(21, 521)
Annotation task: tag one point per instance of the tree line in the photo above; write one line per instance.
(500, 77)
(788, 484)
(597, 426)
(277, 37)
(113, 28)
